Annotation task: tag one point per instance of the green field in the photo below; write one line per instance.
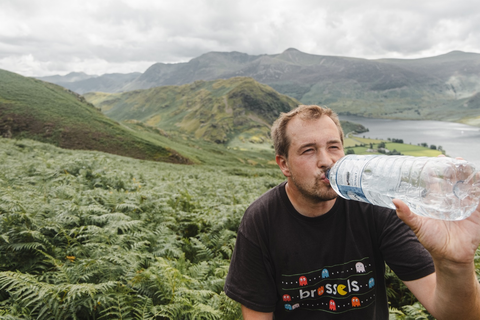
(361, 146)
(89, 235)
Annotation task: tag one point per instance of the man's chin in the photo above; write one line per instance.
(324, 196)
(328, 194)
(328, 197)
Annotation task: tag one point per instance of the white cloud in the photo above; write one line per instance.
(56, 36)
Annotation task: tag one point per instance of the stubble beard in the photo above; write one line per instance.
(319, 192)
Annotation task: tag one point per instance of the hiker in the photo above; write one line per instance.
(302, 252)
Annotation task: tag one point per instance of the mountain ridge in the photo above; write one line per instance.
(432, 88)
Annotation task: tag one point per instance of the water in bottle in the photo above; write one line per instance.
(439, 187)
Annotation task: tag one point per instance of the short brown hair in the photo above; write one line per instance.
(281, 142)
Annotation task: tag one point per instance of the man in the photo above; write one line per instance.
(304, 253)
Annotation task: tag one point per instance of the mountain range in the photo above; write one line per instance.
(444, 87)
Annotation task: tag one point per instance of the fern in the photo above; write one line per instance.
(395, 314)
(84, 235)
(202, 311)
(121, 307)
(417, 312)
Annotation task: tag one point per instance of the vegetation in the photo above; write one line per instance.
(42, 111)
(351, 127)
(88, 235)
(238, 152)
(359, 145)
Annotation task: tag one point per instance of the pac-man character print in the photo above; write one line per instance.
(287, 297)
(303, 281)
(325, 273)
(341, 289)
(288, 306)
(360, 267)
(332, 306)
(321, 290)
(371, 283)
(355, 302)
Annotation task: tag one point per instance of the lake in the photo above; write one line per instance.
(458, 140)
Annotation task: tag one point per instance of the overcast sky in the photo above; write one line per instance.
(46, 37)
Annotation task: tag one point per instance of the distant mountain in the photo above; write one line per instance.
(219, 111)
(438, 88)
(34, 109)
(71, 77)
(210, 66)
(81, 82)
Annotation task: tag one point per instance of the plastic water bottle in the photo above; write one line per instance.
(436, 187)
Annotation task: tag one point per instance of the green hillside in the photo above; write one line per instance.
(34, 109)
(220, 111)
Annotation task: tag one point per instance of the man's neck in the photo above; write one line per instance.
(307, 206)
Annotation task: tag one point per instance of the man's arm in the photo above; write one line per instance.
(453, 291)
(249, 314)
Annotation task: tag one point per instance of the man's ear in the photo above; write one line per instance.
(283, 164)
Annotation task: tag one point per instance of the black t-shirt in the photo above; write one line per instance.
(327, 267)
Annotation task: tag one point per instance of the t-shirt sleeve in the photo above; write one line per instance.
(402, 251)
(250, 277)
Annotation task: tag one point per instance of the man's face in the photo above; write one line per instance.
(315, 146)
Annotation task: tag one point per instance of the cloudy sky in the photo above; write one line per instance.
(47, 37)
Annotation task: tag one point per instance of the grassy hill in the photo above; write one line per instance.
(220, 111)
(38, 110)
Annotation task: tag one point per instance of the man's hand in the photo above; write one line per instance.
(453, 291)
(454, 241)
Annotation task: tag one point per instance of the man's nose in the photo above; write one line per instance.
(324, 159)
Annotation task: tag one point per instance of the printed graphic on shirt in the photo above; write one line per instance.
(334, 289)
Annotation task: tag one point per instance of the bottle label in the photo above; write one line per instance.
(349, 183)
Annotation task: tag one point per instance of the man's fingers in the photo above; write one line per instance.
(404, 213)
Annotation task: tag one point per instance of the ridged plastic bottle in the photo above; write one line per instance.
(436, 187)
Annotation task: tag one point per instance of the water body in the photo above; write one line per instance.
(458, 140)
